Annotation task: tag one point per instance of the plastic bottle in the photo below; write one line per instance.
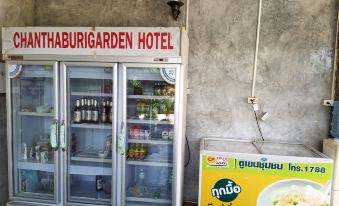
(141, 177)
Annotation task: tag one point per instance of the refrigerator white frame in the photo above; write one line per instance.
(11, 181)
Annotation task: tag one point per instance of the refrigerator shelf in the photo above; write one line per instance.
(149, 200)
(35, 165)
(36, 114)
(149, 163)
(149, 97)
(91, 94)
(90, 170)
(150, 121)
(90, 157)
(151, 141)
(92, 126)
(39, 194)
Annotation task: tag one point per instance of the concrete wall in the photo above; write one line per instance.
(294, 63)
(12, 13)
(294, 72)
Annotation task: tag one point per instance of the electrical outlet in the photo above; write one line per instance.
(328, 103)
(252, 100)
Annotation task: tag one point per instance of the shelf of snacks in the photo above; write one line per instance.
(91, 94)
(138, 154)
(92, 126)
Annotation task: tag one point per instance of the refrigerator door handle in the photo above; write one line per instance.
(53, 135)
(121, 139)
(62, 136)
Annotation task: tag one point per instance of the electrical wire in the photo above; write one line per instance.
(256, 118)
(189, 153)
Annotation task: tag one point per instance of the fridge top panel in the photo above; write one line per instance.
(259, 147)
(229, 146)
(157, 42)
(283, 149)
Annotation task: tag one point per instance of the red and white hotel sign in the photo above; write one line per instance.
(117, 41)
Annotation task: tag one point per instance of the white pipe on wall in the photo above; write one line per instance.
(187, 5)
(256, 51)
(334, 72)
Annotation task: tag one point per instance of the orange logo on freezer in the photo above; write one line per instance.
(217, 161)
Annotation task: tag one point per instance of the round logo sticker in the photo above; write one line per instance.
(168, 74)
(14, 70)
(226, 190)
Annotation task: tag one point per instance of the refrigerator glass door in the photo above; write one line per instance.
(89, 118)
(34, 109)
(149, 101)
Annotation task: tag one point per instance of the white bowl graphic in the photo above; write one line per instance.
(266, 196)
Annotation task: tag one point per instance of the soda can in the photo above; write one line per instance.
(131, 133)
(147, 134)
(142, 134)
(136, 133)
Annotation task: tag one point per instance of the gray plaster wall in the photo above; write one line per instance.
(294, 68)
(12, 13)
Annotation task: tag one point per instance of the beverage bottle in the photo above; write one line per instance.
(95, 112)
(163, 88)
(110, 112)
(88, 116)
(131, 151)
(99, 183)
(142, 152)
(77, 112)
(146, 150)
(157, 89)
(137, 152)
(107, 110)
(141, 177)
(170, 182)
(24, 151)
(103, 116)
(74, 143)
(108, 145)
(83, 110)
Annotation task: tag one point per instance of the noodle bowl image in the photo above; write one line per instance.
(293, 192)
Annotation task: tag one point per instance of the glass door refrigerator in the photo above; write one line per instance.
(33, 112)
(151, 144)
(100, 129)
(88, 132)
